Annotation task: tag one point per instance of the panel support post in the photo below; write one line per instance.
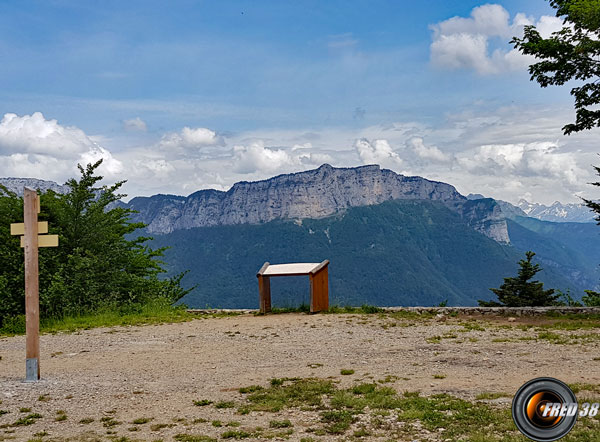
(264, 291)
(319, 288)
(31, 208)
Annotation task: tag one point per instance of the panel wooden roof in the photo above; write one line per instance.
(291, 269)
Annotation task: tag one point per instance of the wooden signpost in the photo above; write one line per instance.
(31, 241)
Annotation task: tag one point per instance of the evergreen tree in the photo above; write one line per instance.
(519, 291)
(573, 53)
(592, 298)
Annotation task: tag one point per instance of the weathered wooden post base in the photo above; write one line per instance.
(32, 370)
(31, 240)
(319, 283)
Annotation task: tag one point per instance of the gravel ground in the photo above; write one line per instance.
(158, 371)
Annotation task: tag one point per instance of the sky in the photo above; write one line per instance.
(185, 95)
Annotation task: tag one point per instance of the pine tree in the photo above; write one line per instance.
(592, 298)
(519, 291)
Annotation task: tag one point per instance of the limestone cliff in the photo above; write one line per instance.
(310, 194)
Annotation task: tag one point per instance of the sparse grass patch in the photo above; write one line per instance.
(490, 396)
(86, 420)
(61, 415)
(44, 398)
(362, 432)
(141, 420)
(193, 438)
(250, 389)
(434, 339)
(158, 427)
(225, 404)
(346, 372)
(24, 410)
(302, 308)
(202, 402)
(579, 386)
(152, 313)
(554, 338)
(292, 393)
(280, 424)
(450, 417)
(439, 376)
(364, 309)
(27, 420)
(388, 379)
(471, 326)
(338, 421)
(236, 434)
(109, 422)
(216, 423)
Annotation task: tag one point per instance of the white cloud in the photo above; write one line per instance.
(31, 146)
(464, 43)
(377, 152)
(432, 153)
(36, 135)
(110, 165)
(542, 159)
(504, 153)
(135, 125)
(189, 138)
(258, 158)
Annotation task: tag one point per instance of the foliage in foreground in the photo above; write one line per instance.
(569, 54)
(97, 266)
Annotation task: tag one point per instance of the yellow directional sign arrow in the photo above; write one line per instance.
(19, 228)
(44, 241)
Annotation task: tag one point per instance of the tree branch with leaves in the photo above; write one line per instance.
(573, 53)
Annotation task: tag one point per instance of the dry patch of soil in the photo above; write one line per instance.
(115, 377)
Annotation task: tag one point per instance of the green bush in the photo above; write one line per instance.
(100, 265)
(591, 299)
(14, 325)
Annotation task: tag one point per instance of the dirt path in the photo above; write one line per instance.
(158, 371)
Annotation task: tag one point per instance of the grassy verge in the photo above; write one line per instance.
(369, 409)
(154, 313)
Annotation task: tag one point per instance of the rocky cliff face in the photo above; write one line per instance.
(310, 194)
(16, 185)
(486, 216)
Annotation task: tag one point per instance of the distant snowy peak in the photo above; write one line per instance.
(557, 212)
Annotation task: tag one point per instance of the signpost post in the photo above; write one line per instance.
(30, 240)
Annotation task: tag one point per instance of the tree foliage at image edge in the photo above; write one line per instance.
(95, 267)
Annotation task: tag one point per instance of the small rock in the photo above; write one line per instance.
(512, 319)
(440, 317)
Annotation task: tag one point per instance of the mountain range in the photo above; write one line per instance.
(391, 239)
(556, 212)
